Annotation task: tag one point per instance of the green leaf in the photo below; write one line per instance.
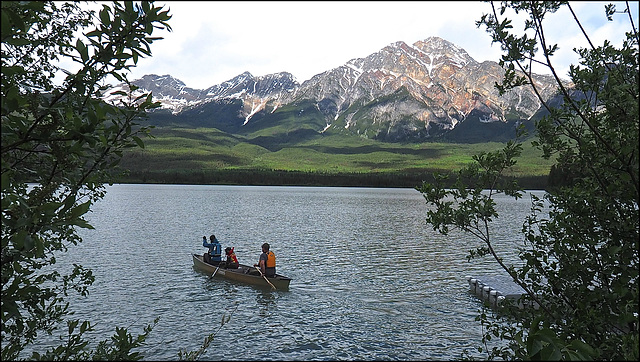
(135, 55)
(138, 141)
(80, 210)
(82, 49)
(5, 182)
(104, 15)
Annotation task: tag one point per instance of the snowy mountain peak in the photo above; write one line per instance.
(400, 92)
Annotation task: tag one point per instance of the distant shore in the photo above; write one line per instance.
(299, 178)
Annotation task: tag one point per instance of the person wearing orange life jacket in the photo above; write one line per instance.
(232, 259)
(267, 261)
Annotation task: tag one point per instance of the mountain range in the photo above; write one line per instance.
(431, 90)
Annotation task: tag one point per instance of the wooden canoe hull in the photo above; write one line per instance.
(240, 275)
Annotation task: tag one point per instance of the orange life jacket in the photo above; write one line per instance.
(271, 260)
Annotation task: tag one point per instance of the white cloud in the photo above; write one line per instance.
(212, 42)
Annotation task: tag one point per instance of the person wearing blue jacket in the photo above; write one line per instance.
(214, 256)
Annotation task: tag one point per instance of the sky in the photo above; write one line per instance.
(214, 41)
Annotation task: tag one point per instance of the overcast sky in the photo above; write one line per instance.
(212, 42)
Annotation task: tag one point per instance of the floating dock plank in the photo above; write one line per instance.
(494, 290)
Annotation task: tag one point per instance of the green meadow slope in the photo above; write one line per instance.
(275, 155)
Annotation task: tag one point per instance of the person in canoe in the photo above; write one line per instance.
(267, 261)
(214, 256)
(232, 259)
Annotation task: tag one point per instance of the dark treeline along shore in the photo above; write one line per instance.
(265, 177)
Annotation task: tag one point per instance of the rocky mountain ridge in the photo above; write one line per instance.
(400, 93)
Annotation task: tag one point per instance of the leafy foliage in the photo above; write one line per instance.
(580, 258)
(60, 144)
(184, 355)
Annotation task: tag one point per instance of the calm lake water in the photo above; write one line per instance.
(371, 281)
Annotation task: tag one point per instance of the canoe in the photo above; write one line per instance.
(242, 275)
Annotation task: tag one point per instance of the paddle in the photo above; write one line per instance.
(265, 278)
(214, 273)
